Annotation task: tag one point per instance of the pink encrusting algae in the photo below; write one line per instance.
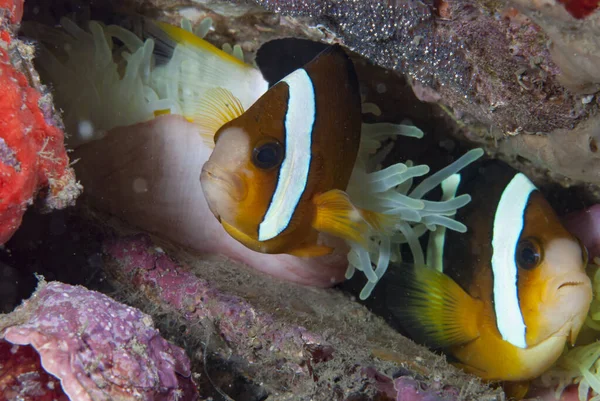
(96, 347)
(285, 355)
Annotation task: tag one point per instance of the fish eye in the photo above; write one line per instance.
(529, 254)
(267, 155)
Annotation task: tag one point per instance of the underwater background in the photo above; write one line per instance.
(100, 193)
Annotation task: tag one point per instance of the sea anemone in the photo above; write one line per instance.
(108, 77)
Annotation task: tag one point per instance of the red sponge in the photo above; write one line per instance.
(578, 8)
(33, 158)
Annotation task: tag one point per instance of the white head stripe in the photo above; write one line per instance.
(293, 173)
(508, 225)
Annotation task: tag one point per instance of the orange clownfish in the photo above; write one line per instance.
(504, 298)
(278, 173)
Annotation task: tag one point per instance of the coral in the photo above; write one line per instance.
(466, 59)
(97, 348)
(573, 47)
(410, 390)
(22, 376)
(295, 342)
(569, 152)
(32, 153)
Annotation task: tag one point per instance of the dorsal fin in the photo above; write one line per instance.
(280, 57)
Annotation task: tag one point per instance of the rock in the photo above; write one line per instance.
(67, 342)
(293, 342)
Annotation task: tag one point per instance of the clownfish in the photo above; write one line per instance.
(278, 172)
(505, 297)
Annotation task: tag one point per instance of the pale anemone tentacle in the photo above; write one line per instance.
(203, 27)
(92, 90)
(126, 84)
(201, 30)
(390, 191)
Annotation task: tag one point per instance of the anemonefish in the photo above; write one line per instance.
(504, 298)
(277, 175)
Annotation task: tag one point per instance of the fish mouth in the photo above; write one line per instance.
(570, 284)
(215, 181)
(575, 289)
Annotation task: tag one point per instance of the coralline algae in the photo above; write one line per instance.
(282, 343)
(67, 342)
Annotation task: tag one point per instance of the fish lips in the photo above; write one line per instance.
(575, 291)
(222, 189)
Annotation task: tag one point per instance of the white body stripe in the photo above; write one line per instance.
(293, 173)
(508, 225)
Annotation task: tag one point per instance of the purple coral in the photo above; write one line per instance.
(98, 348)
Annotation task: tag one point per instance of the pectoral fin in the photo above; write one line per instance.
(433, 308)
(336, 215)
(217, 107)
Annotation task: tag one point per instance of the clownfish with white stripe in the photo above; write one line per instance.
(504, 298)
(277, 175)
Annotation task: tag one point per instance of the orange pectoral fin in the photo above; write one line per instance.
(336, 215)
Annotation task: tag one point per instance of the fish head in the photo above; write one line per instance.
(554, 289)
(223, 177)
(238, 179)
(240, 176)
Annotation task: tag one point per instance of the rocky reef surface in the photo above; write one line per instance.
(247, 336)
(518, 77)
